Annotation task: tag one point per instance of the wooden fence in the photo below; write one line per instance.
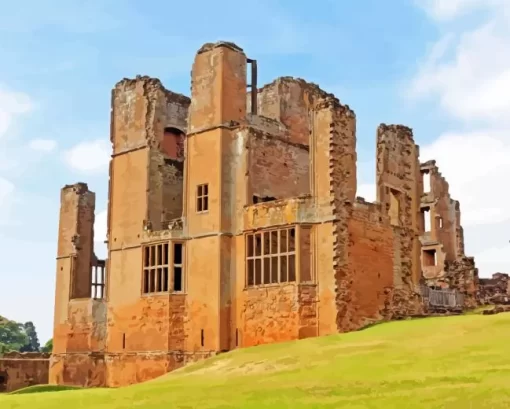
(442, 298)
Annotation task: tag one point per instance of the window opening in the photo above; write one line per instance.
(98, 280)
(429, 258)
(426, 182)
(259, 199)
(202, 198)
(177, 267)
(271, 257)
(394, 207)
(426, 219)
(155, 268)
(253, 85)
(306, 254)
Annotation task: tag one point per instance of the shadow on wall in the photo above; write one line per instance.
(3, 381)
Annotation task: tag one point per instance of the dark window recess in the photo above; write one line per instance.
(124, 341)
(178, 267)
(202, 337)
(259, 199)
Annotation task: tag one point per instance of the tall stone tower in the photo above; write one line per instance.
(213, 187)
(145, 193)
(80, 313)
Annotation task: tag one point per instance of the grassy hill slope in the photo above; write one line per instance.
(454, 362)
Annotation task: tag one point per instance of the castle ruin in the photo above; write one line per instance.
(233, 221)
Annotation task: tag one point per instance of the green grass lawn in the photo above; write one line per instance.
(453, 362)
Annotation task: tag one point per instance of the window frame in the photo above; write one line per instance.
(98, 286)
(270, 255)
(169, 266)
(202, 198)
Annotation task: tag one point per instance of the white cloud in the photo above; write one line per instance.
(469, 85)
(476, 166)
(449, 9)
(43, 145)
(467, 72)
(12, 104)
(89, 156)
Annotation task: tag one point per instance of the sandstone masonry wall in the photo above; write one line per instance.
(371, 261)
(19, 370)
(398, 172)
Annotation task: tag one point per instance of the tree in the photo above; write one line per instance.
(12, 336)
(48, 347)
(32, 344)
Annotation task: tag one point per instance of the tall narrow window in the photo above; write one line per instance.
(271, 257)
(426, 219)
(155, 268)
(426, 182)
(202, 198)
(306, 254)
(177, 270)
(98, 280)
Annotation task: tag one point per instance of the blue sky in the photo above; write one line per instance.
(441, 67)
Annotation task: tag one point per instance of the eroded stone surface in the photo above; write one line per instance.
(19, 370)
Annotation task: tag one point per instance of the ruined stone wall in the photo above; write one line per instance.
(334, 181)
(277, 169)
(143, 115)
(74, 261)
(452, 268)
(290, 100)
(371, 261)
(495, 290)
(271, 314)
(398, 191)
(146, 191)
(80, 321)
(462, 275)
(86, 326)
(19, 370)
(131, 368)
(440, 243)
(442, 212)
(279, 313)
(86, 369)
